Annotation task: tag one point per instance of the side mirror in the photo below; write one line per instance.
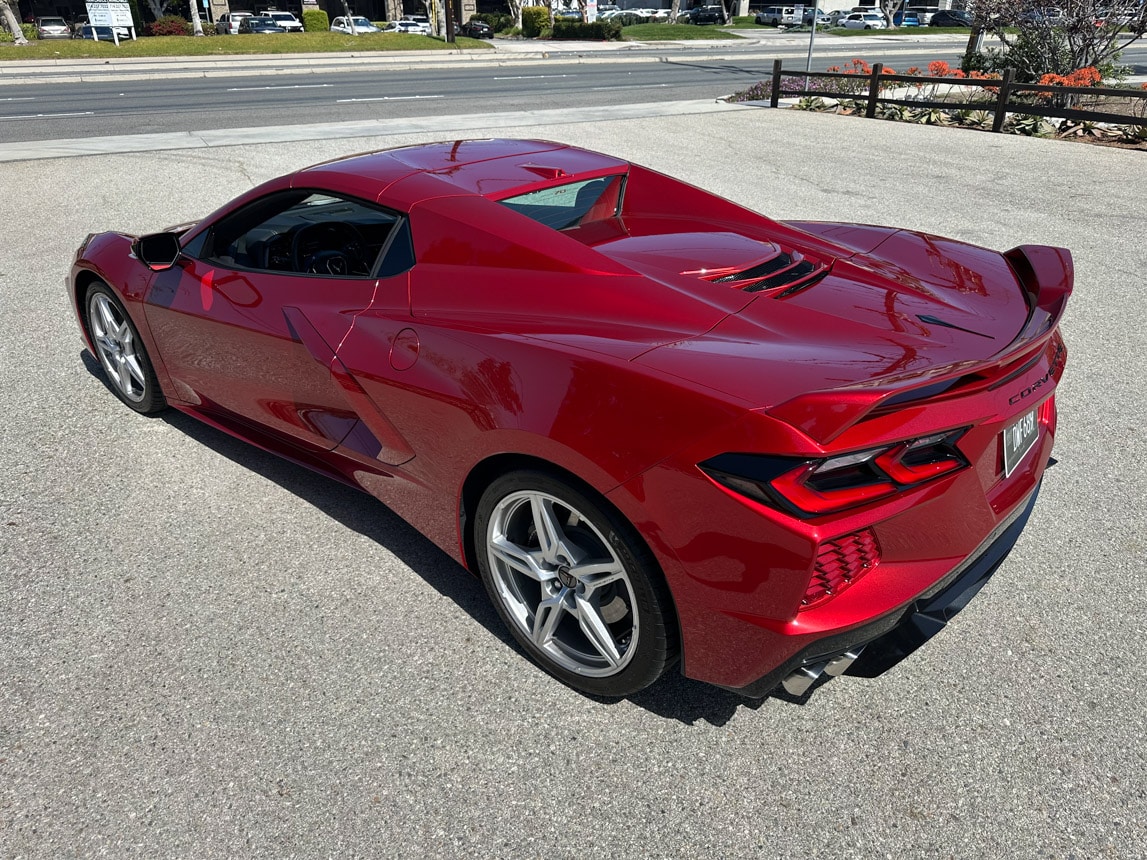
(158, 251)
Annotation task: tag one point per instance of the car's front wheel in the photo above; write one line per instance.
(121, 351)
(575, 584)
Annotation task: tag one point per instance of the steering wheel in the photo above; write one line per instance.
(329, 248)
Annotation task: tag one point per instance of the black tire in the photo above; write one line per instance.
(608, 630)
(120, 350)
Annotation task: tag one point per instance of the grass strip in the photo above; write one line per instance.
(672, 33)
(221, 46)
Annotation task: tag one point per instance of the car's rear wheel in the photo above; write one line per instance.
(121, 351)
(575, 585)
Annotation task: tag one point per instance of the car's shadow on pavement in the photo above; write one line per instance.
(673, 697)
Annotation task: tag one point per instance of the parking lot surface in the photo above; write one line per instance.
(208, 652)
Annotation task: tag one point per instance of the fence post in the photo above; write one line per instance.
(874, 90)
(775, 98)
(1002, 100)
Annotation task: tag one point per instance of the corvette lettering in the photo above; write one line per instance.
(1031, 389)
(1056, 361)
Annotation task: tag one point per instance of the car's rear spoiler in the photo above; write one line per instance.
(1047, 276)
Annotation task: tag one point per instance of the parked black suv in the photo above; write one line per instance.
(476, 30)
(950, 18)
(705, 15)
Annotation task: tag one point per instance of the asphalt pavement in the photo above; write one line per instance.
(208, 653)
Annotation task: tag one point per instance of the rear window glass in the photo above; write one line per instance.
(571, 205)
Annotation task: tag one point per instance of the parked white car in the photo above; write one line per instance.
(407, 26)
(865, 21)
(361, 25)
(285, 20)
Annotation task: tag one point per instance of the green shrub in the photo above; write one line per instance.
(29, 31)
(315, 20)
(534, 20)
(168, 25)
(598, 31)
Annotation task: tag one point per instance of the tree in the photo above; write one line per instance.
(889, 8)
(196, 24)
(158, 9)
(675, 11)
(12, 23)
(1036, 41)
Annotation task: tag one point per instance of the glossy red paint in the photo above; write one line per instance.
(623, 353)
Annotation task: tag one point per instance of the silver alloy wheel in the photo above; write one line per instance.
(115, 344)
(562, 584)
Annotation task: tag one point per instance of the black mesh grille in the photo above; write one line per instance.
(760, 270)
(796, 273)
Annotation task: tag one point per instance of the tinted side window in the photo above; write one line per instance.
(306, 232)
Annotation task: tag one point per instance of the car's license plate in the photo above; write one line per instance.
(1018, 440)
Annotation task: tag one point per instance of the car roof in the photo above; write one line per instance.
(493, 168)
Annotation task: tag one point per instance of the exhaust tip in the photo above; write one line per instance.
(797, 683)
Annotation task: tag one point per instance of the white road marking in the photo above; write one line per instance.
(388, 99)
(531, 77)
(279, 87)
(49, 115)
(631, 87)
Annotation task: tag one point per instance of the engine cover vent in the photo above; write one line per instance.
(761, 270)
(789, 271)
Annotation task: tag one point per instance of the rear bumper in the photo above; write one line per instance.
(886, 641)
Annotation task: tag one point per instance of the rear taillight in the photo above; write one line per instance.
(1048, 415)
(817, 487)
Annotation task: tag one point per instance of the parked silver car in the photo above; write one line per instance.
(53, 28)
(228, 23)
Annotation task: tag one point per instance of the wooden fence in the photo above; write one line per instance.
(1002, 94)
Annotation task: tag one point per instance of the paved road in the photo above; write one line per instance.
(88, 100)
(206, 652)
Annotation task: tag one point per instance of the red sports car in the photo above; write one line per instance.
(662, 428)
